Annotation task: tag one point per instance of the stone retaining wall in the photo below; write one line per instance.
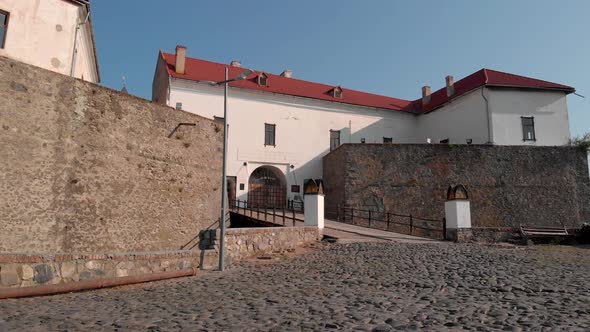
(249, 242)
(21, 270)
(86, 169)
(509, 186)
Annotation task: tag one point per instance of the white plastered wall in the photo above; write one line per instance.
(549, 109)
(461, 119)
(41, 33)
(303, 125)
(302, 128)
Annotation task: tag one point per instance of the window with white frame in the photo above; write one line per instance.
(528, 128)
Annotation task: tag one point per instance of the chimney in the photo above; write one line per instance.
(450, 85)
(288, 73)
(180, 59)
(425, 95)
(235, 63)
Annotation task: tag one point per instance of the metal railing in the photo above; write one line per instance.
(394, 222)
(275, 215)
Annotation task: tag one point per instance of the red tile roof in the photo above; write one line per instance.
(487, 77)
(202, 70)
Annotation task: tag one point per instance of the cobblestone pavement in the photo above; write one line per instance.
(357, 286)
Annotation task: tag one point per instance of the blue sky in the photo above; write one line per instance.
(380, 46)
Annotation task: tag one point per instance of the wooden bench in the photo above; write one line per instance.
(542, 231)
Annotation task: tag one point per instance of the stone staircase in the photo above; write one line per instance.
(208, 245)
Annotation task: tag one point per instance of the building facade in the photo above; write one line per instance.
(52, 34)
(281, 127)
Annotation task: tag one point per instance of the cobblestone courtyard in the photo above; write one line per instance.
(358, 286)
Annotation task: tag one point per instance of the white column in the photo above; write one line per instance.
(314, 210)
(458, 214)
(458, 218)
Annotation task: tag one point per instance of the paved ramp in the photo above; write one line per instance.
(347, 233)
(340, 232)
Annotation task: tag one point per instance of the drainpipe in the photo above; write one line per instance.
(92, 284)
(169, 90)
(76, 43)
(488, 115)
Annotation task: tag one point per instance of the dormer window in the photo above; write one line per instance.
(337, 92)
(262, 79)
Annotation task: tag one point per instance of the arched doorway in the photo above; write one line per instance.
(267, 188)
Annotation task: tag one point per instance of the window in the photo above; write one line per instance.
(178, 106)
(263, 79)
(528, 128)
(334, 139)
(387, 140)
(269, 134)
(3, 27)
(241, 186)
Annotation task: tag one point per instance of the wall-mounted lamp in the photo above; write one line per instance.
(292, 166)
(363, 140)
(245, 163)
(469, 141)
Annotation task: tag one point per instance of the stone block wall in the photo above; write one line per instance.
(34, 270)
(509, 185)
(87, 170)
(249, 242)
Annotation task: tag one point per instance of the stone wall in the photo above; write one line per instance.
(249, 242)
(89, 170)
(33, 270)
(509, 185)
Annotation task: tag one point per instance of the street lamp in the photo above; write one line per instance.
(225, 83)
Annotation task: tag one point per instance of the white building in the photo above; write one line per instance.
(52, 34)
(281, 127)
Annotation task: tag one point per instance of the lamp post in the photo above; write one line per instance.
(225, 83)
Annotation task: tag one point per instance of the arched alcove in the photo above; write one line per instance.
(267, 188)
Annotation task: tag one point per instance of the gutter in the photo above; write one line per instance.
(92, 40)
(488, 115)
(78, 25)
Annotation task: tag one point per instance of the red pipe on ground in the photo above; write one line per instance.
(92, 284)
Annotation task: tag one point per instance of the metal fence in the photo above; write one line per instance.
(277, 215)
(399, 223)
